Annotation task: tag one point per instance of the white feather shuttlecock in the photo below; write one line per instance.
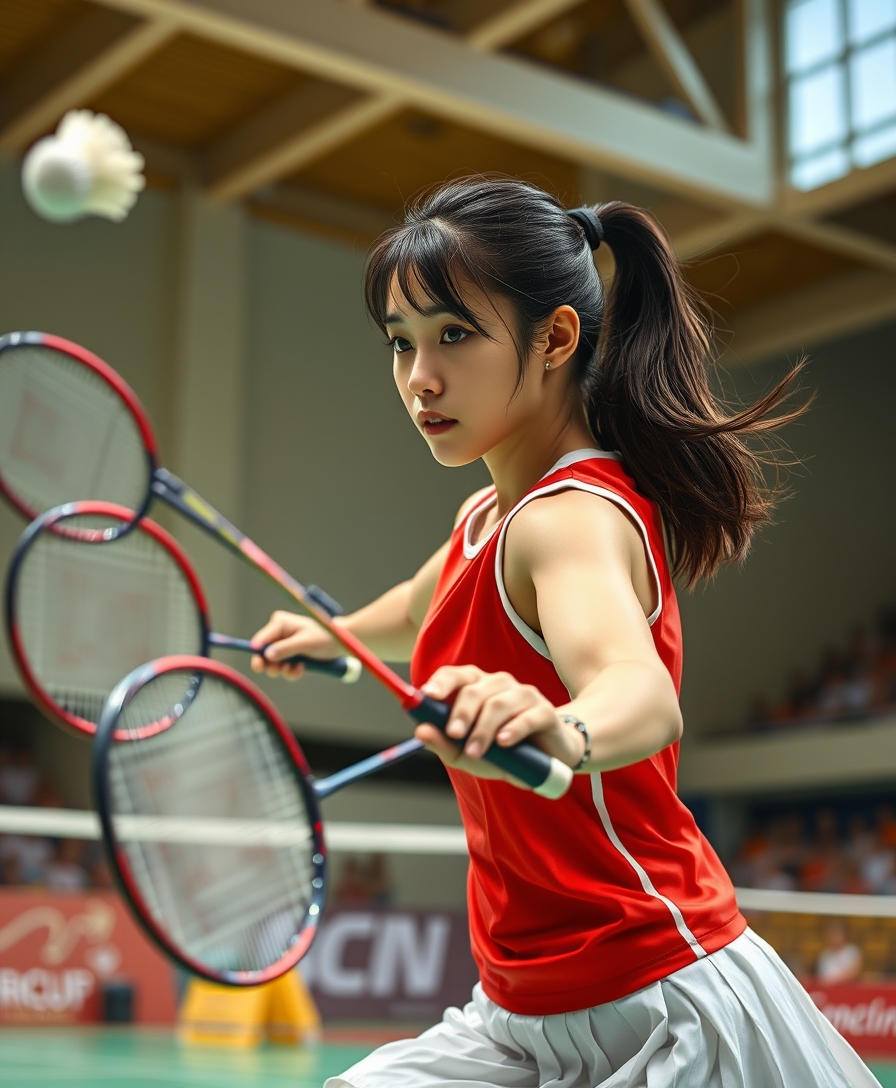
(87, 167)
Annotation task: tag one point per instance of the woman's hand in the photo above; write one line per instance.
(494, 708)
(287, 634)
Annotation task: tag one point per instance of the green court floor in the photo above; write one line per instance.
(39, 1058)
(97, 1058)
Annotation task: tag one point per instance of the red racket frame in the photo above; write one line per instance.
(107, 735)
(72, 722)
(112, 378)
(525, 761)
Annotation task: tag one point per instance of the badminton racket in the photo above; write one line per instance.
(80, 614)
(210, 818)
(72, 429)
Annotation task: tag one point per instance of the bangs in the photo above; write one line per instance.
(429, 262)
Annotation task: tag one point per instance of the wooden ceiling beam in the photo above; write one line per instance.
(675, 59)
(264, 148)
(857, 187)
(76, 65)
(336, 213)
(515, 21)
(875, 252)
(795, 321)
(727, 231)
(258, 154)
(375, 51)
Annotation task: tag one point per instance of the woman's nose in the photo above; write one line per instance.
(423, 380)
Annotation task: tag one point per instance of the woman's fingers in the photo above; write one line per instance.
(512, 712)
(287, 635)
(280, 625)
(444, 682)
(489, 707)
(452, 756)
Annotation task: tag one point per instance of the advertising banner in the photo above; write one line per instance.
(390, 964)
(863, 1012)
(57, 951)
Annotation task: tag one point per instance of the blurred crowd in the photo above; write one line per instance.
(57, 864)
(820, 852)
(847, 686)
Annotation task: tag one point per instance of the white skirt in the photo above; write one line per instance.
(734, 1019)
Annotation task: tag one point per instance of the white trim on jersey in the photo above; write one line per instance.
(471, 550)
(600, 803)
(581, 455)
(535, 640)
(538, 644)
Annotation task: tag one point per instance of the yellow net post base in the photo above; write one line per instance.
(281, 1011)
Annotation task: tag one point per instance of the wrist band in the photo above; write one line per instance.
(580, 725)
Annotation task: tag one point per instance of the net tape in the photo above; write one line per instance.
(349, 837)
(341, 836)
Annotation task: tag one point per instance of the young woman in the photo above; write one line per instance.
(610, 947)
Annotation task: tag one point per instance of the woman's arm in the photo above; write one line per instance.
(575, 569)
(388, 625)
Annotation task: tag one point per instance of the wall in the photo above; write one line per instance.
(338, 486)
(828, 561)
(107, 286)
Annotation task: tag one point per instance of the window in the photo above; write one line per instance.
(840, 68)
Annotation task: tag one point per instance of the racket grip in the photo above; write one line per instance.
(347, 669)
(325, 601)
(547, 776)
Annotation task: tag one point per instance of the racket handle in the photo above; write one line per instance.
(547, 776)
(326, 602)
(347, 669)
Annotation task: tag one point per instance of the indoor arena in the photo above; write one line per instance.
(447, 523)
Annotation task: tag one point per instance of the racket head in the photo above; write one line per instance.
(71, 429)
(211, 824)
(86, 605)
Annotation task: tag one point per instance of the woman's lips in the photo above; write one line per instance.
(437, 426)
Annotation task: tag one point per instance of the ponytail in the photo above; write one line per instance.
(649, 398)
(640, 366)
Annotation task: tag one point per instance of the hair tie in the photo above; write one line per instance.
(590, 224)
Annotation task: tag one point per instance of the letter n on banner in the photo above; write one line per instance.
(390, 964)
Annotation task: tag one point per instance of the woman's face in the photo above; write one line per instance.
(461, 388)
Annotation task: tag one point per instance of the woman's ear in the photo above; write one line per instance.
(560, 337)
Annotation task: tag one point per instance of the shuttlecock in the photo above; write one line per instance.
(87, 167)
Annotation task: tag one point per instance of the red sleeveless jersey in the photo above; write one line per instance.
(579, 901)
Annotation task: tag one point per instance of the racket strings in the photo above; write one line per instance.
(221, 770)
(87, 614)
(66, 433)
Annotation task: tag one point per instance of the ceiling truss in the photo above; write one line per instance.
(95, 53)
(361, 66)
(377, 51)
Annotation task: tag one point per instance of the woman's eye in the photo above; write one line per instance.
(399, 344)
(454, 334)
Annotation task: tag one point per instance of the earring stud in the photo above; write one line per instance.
(547, 365)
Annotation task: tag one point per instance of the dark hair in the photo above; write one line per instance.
(640, 368)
